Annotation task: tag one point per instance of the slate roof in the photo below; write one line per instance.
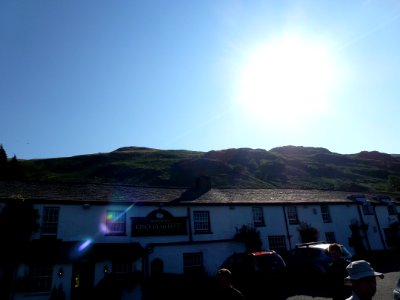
(87, 192)
(106, 193)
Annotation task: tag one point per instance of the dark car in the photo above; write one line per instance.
(257, 273)
(310, 261)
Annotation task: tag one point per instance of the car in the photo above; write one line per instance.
(310, 261)
(268, 264)
(256, 273)
(396, 291)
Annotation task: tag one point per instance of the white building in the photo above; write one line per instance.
(88, 231)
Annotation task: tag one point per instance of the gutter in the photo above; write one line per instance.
(379, 229)
(363, 227)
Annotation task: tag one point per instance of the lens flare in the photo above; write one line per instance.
(84, 245)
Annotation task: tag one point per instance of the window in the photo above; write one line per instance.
(258, 216)
(50, 221)
(292, 215)
(277, 243)
(391, 236)
(115, 222)
(368, 209)
(330, 237)
(40, 278)
(392, 209)
(201, 221)
(193, 263)
(326, 216)
(121, 268)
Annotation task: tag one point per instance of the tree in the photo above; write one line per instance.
(356, 239)
(308, 233)
(14, 169)
(18, 220)
(250, 237)
(3, 163)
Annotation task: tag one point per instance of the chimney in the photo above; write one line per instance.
(203, 183)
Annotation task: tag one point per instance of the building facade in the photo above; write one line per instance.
(88, 232)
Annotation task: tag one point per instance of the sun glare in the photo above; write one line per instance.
(288, 79)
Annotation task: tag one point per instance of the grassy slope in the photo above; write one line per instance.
(283, 167)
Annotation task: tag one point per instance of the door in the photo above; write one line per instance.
(82, 280)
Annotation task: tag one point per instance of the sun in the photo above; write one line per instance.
(290, 78)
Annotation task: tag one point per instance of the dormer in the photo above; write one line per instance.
(387, 201)
(383, 199)
(360, 199)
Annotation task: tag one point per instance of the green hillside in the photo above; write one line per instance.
(283, 167)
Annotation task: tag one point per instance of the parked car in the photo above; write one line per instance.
(257, 273)
(396, 291)
(310, 261)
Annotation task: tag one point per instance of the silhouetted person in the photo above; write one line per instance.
(225, 290)
(337, 273)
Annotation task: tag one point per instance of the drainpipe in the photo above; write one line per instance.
(149, 249)
(189, 225)
(287, 227)
(363, 227)
(379, 229)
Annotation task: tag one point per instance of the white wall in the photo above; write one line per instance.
(79, 223)
(213, 255)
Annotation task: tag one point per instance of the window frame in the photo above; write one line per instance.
(258, 216)
(325, 213)
(115, 218)
(367, 209)
(277, 243)
(40, 278)
(392, 209)
(50, 221)
(193, 262)
(201, 221)
(119, 267)
(293, 216)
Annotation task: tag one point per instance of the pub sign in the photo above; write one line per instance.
(159, 222)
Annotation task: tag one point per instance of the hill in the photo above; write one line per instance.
(282, 167)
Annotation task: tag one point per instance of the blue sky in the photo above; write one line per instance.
(83, 77)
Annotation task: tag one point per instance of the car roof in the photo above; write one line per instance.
(322, 245)
(258, 253)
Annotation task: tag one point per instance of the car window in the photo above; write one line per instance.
(301, 253)
(314, 252)
(267, 261)
(345, 252)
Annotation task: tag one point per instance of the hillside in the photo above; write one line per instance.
(282, 167)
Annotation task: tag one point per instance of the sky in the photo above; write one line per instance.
(84, 77)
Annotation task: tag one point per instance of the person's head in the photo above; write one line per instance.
(335, 251)
(224, 277)
(362, 278)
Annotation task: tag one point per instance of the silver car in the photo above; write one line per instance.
(396, 291)
(312, 259)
